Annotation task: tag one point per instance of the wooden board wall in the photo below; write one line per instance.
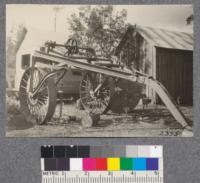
(174, 69)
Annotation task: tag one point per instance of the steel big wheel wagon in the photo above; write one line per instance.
(103, 83)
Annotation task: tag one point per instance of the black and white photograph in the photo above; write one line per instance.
(99, 70)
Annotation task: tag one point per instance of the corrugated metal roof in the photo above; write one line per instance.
(165, 38)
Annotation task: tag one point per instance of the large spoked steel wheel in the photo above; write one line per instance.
(95, 93)
(40, 107)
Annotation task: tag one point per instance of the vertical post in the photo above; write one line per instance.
(154, 97)
(32, 61)
(56, 9)
(60, 92)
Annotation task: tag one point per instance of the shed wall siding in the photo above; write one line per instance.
(175, 72)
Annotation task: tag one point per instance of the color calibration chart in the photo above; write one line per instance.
(102, 164)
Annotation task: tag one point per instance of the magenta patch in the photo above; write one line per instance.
(89, 164)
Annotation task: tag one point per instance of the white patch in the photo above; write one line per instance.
(144, 151)
(156, 151)
(42, 164)
(76, 164)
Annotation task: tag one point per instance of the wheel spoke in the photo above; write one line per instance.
(43, 98)
(25, 81)
(23, 87)
(85, 97)
(26, 75)
(44, 88)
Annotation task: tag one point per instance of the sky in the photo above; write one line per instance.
(171, 17)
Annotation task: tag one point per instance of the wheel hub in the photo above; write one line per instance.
(92, 94)
(33, 100)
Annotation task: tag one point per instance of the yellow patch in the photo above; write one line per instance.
(113, 164)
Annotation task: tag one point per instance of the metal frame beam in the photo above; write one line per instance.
(134, 77)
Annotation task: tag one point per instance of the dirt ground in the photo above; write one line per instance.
(150, 122)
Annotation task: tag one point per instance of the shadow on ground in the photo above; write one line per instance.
(139, 123)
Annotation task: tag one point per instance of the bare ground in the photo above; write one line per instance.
(149, 122)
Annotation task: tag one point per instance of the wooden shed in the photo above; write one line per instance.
(165, 55)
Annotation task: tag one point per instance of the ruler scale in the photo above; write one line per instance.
(102, 164)
(98, 177)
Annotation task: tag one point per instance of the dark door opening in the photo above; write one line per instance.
(174, 69)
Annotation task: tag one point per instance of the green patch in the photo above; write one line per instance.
(126, 163)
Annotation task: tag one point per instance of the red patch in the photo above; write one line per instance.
(101, 163)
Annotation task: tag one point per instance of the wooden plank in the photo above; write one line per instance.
(153, 62)
(168, 101)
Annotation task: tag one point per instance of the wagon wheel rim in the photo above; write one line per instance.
(39, 104)
(94, 102)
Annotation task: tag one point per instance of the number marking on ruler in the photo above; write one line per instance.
(102, 177)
